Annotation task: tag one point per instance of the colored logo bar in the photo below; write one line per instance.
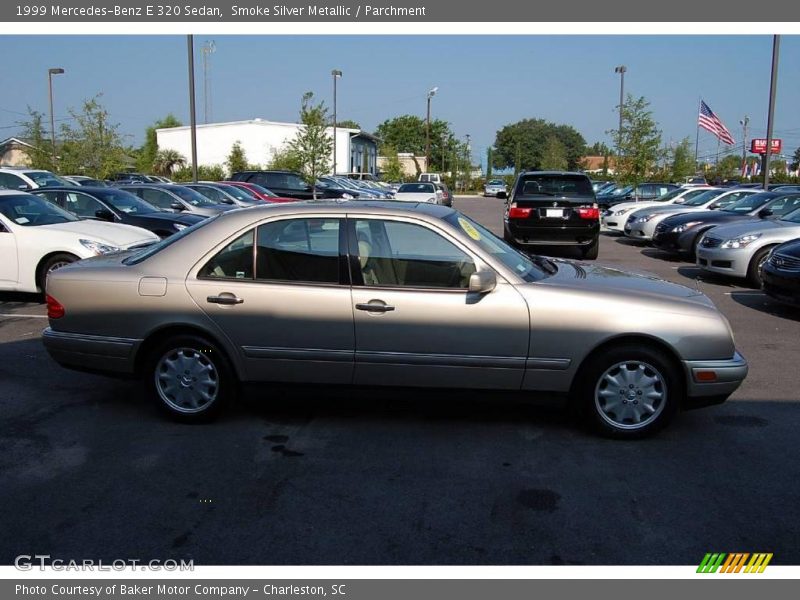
(735, 562)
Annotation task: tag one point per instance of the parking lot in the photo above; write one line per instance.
(328, 476)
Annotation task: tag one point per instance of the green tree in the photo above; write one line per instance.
(147, 153)
(554, 155)
(598, 149)
(237, 159)
(521, 145)
(312, 145)
(167, 161)
(91, 144)
(406, 133)
(795, 164)
(682, 163)
(348, 124)
(392, 169)
(640, 143)
(285, 159)
(204, 173)
(40, 155)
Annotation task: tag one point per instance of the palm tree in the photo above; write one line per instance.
(167, 161)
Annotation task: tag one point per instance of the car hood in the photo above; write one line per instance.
(734, 230)
(626, 206)
(114, 234)
(710, 216)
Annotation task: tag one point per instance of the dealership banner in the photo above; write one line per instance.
(731, 588)
(219, 11)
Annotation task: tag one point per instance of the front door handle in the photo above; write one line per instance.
(224, 298)
(375, 307)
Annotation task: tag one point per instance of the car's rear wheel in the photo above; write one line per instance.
(755, 266)
(52, 264)
(629, 391)
(189, 377)
(591, 252)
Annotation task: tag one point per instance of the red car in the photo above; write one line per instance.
(259, 192)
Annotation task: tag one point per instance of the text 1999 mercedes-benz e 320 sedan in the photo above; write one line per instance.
(387, 294)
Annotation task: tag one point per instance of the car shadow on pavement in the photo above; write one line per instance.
(661, 255)
(10, 299)
(758, 300)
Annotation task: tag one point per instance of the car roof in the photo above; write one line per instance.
(83, 188)
(14, 193)
(554, 173)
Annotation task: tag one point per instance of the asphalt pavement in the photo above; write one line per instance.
(89, 469)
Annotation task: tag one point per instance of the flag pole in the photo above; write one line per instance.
(697, 135)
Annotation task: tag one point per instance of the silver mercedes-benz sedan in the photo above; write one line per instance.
(387, 294)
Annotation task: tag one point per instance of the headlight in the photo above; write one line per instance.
(741, 242)
(646, 218)
(97, 248)
(620, 212)
(347, 196)
(683, 227)
(431, 200)
(178, 226)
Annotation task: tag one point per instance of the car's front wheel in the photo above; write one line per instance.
(53, 263)
(189, 377)
(755, 266)
(629, 391)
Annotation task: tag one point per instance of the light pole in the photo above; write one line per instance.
(744, 123)
(50, 73)
(622, 69)
(431, 94)
(336, 74)
(208, 48)
(773, 85)
(468, 172)
(192, 113)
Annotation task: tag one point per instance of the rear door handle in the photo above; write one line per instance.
(224, 298)
(375, 307)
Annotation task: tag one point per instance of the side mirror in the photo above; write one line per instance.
(502, 195)
(24, 187)
(482, 282)
(104, 214)
(764, 213)
(227, 201)
(176, 206)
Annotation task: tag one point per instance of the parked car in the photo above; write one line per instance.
(37, 238)
(430, 178)
(219, 311)
(600, 185)
(83, 180)
(447, 196)
(223, 194)
(287, 184)
(741, 249)
(259, 192)
(130, 178)
(13, 178)
(615, 217)
(780, 274)
(494, 187)
(552, 208)
(117, 206)
(419, 192)
(643, 191)
(680, 234)
(176, 198)
(641, 224)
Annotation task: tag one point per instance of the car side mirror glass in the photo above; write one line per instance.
(104, 214)
(24, 186)
(764, 213)
(482, 282)
(227, 201)
(502, 195)
(176, 206)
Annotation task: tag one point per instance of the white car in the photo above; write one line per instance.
(641, 224)
(12, 178)
(37, 237)
(419, 192)
(614, 218)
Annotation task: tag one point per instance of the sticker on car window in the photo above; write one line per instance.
(469, 229)
(22, 220)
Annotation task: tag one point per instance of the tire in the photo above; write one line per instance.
(591, 252)
(754, 268)
(696, 244)
(189, 378)
(52, 264)
(612, 408)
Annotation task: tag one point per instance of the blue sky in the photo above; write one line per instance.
(484, 82)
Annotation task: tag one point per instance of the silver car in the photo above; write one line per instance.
(386, 294)
(494, 187)
(741, 249)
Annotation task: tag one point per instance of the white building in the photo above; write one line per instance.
(356, 151)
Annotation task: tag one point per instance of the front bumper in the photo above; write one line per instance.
(92, 353)
(783, 287)
(712, 381)
(640, 231)
(725, 261)
(612, 223)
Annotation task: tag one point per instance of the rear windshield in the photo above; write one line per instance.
(554, 185)
(416, 188)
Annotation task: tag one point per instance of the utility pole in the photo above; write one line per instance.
(773, 85)
(744, 123)
(468, 169)
(50, 73)
(431, 94)
(192, 113)
(336, 74)
(209, 47)
(622, 69)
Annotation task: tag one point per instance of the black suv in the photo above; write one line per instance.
(287, 184)
(552, 208)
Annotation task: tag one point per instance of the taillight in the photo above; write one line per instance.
(589, 213)
(55, 310)
(516, 212)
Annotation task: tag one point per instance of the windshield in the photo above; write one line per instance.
(416, 188)
(671, 195)
(792, 217)
(702, 198)
(46, 178)
(258, 188)
(31, 211)
(240, 194)
(499, 249)
(495, 182)
(126, 202)
(750, 203)
(153, 249)
(189, 195)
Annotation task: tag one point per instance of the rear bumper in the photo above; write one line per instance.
(93, 353)
(565, 235)
(728, 375)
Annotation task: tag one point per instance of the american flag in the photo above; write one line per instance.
(710, 122)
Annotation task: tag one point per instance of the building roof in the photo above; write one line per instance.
(19, 141)
(256, 121)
